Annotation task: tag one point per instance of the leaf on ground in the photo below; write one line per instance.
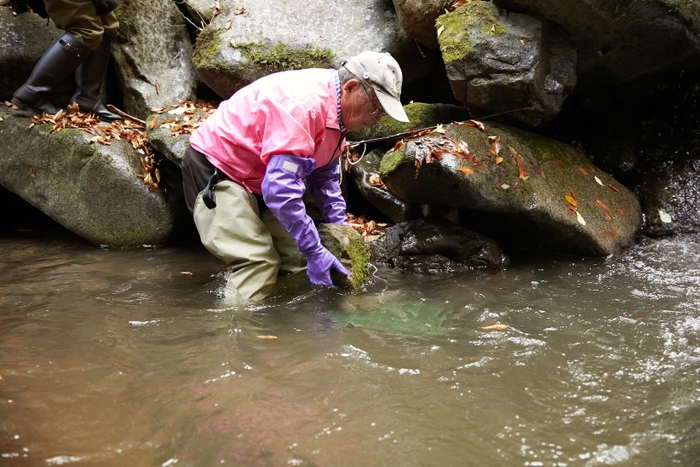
(157, 87)
(439, 129)
(499, 159)
(601, 205)
(580, 219)
(153, 123)
(186, 273)
(239, 11)
(621, 212)
(583, 171)
(466, 170)
(495, 327)
(571, 201)
(573, 195)
(665, 217)
(608, 216)
(613, 188)
(227, 26)
(479, 125)
(598, 180)
(440, 29)
(495, 144)
(267, 337)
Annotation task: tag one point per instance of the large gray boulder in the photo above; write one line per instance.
(545, 187)
(618, 41)
(417, 18)
(242, 44)
(505, 62)
(153, 56)
(23, 40)
(91, 189)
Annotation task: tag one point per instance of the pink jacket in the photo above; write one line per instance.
(293, 113)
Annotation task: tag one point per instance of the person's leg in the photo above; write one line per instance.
(54, 66)
(292, 260)
(234, 233)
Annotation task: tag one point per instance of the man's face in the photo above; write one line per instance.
(359, 106)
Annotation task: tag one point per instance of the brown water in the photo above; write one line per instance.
(117, 358)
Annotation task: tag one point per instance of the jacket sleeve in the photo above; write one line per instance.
(324, 185)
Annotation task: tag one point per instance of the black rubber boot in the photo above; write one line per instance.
(88, 80)
(59, 62)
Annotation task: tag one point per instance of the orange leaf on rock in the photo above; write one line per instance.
(571, 200)
(153, 123)
(466, 170)
(499, 159)
(602, 205)
(608, 216)
(613, 188)
(583, 171)
(621, 212)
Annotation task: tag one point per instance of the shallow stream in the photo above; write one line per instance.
(131, 358)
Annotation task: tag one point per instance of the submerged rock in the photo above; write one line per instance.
(435, 247)
(543, 191)
(91, 189)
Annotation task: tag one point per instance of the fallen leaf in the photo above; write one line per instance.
(598, 180)
(499, 159)
(493, 27)
(11, 105)
(495, 144)
(579, 218)
(571, 201)
(613, 188)
(439, 129)
(495, 327)
(157, 87)
(440, 29)
(621, 212)
(608, 216)
(583, 171)
(233, 43)
(466, 170)
(522, 42)
(505, 186)
(186, 273)
(376, 180)
(239, 11)
(573, 195)
(227, 26)
(32, 173)
(479, 125)
(665, 217)
(1, 119)
(153, 123)
(602, 205)
(267, 338)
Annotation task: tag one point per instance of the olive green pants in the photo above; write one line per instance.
(79, 18)
(253, 244)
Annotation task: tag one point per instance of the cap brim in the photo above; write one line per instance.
(392, 107)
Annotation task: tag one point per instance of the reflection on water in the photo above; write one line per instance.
(116, 358)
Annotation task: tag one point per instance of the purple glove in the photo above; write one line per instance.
(324, 185)
(282, 189)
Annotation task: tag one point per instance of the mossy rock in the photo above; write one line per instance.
(350, 248)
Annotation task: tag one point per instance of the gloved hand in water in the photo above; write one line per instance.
(282, 190)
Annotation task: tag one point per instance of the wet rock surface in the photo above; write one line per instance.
(529, 179)
(435, 247)
(91, 189)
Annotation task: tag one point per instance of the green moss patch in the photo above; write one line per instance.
(283, 57)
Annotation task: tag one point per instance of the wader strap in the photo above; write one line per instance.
(208, 195)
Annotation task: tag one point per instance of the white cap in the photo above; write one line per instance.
(382, 73)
